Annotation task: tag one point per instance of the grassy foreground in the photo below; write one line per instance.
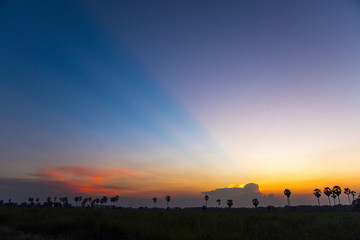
(42, 223)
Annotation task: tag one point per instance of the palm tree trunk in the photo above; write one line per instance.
(329, 201)
(339, 200)
(318, 202)
(349, 199)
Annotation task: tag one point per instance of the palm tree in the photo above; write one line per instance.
(328, 192)
(76, 199)
(31, 201)
(333, 195)
(353, 195)
(317, 194)
(154, 200)
(206, 199)
(104, 200)
(112, 200)
(347, 191)
(97, 201)
(287, 193)
(255, 202)
(168, 199)
(218, 202)
(84, 201)
(229, 203)
(337, 191)
(116, 200)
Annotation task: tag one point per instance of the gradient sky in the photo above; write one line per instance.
(150, 98)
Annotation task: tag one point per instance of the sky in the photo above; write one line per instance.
(143, 99)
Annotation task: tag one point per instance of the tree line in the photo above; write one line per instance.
(89, 202)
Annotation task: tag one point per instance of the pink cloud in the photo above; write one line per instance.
(86, 180)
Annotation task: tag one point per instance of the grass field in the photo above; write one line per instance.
(43, 223)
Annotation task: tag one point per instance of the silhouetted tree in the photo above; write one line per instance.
(287, 193)
(347, 191)
(353, 195)
(116, 200)
(168, 199)
(112, 201)
(97, 201)
(333, 195)
(154, 200)
(317, 194)
(328, 192)
(218, 202)
(229, 203)
(337, 191)
(103, 200)
(31, 201)
(206, 199)
(76, 199)
(85, 201)
(255, 202)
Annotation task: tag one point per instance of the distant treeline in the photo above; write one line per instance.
(112, 202)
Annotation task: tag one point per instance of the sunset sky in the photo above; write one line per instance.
(154, 98)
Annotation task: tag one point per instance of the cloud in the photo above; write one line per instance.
(242, 195)
(86, 180)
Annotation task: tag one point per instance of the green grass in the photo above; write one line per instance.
(143, 224)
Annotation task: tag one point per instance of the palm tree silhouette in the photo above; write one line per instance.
(229, 203)
(353, 195)
(116, 199)
(77, 200)
(206, 199)
(333, 195)
(168, 199)
(154, 200)
(31, 201)
(104, 200)
(218, 202)
(287, 193)
(347, 191)
(255, 202)
(328, 192)
(317, 194)
(337, 191)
